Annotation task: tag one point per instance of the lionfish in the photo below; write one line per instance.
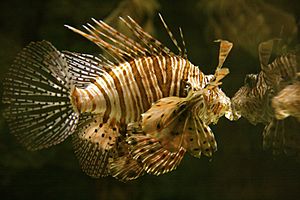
(272, 97)
(137, 108)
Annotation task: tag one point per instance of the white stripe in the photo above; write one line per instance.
(118, 71)
(180, 74)
(133, 91)
(162, 65)
(153, 78)
(144, 78)
(174, 65)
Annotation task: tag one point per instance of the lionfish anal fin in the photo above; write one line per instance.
(94, 142)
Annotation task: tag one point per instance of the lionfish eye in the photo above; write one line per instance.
(251, 80)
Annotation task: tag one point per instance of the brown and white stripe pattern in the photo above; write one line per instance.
(126, 91)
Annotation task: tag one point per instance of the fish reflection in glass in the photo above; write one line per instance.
(272, 97)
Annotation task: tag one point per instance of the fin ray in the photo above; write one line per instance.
(36, 90)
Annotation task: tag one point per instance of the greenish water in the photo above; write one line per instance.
(240, 169)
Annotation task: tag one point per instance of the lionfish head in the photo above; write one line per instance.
(252, 100)
(217, 104)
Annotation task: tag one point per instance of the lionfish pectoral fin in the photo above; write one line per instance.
(162, 113)
(154, 158)
(157, 141)
(199, 138)
(122, 166)
(279, 140)
(37, 90)
(94, 143)
(225, 48)
(273, 136)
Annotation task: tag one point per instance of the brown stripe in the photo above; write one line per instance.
(75, 97)
(121, 96)
(177, 74)
(146, 68)
(168, 68)
(128, 83)
(91, 99)
(108, 104)
(141, 87)
(158, 72)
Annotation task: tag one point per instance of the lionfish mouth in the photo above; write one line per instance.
(233, 115)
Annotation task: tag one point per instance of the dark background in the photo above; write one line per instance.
(240, 169)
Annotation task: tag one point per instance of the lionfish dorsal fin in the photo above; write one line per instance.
(94, 142)
(264, 52)
(225, 48)
(93, 34)
(153, 46)
(182, 51)
(120, 47)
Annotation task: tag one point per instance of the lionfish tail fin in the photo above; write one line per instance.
(37, 90)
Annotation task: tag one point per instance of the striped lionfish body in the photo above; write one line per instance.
(137, 109)
(272, 97)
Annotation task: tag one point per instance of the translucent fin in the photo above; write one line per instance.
(181, 51)
(151, 153)
(292, 137)
(154, 46)
(282, 136)
(220, 73)
(84, 68)
(94, 142)
(120, 47)
(134, 47)
(163, 113)
(225, 48)
(122, 166)
(116, 53)
(281, 71)
(264, 52)
(287, 67)
(198, 138)
(274, 136)
(37, 90)
(183, 43)
(160, 143)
